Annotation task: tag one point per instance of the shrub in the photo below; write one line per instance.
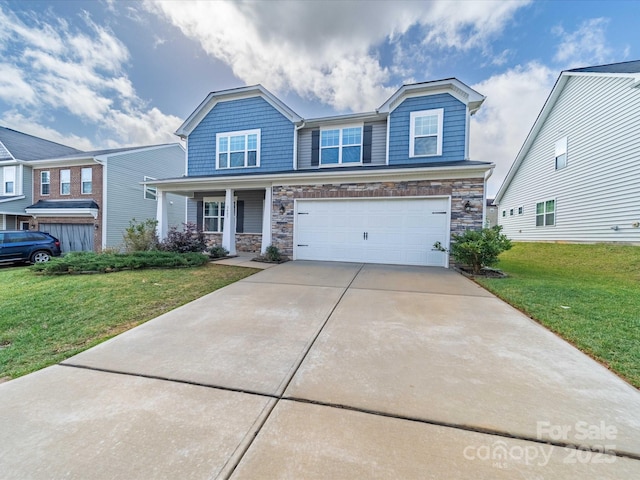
(190, 239)
(477, 248)
(79, 262)
(141, 236)
(217, 251)
(272, 254)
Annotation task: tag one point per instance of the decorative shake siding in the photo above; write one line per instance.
(276, 137)
(471, 189)
(600, 186)
(454, 129)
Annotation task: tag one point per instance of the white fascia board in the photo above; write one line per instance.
(345, 119)
(229, 95)
(61, 162)
(62, 212)
(12, 199)
(533, 133)
(104, 157)
(452, 86)
(319, 177)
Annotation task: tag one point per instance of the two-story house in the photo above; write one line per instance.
(577, 175)
(87, 199)
(379, 186)
(16, 176)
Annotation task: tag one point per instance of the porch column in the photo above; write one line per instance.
(229, 227)
(161, 214)
(266, 220)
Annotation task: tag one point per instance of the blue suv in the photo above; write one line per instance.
(27, 246)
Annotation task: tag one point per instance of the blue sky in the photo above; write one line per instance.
(102, 74)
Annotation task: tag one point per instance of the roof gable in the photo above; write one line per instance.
(22, 146)
(229, 95)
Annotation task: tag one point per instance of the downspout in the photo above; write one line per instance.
(295, 144)
(487, 175)
(103, 212)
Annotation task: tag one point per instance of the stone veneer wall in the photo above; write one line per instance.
(460, 190)
(245, 242)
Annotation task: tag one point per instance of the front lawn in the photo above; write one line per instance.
(45, 319)
(588, 294)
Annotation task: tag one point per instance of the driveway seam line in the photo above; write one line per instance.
(468, 428)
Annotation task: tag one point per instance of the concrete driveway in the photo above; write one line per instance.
(326, 370)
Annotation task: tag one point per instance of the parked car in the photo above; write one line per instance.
(27, 246)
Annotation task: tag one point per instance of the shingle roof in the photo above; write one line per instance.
(623, 67)
(64, 204)
(27, 147)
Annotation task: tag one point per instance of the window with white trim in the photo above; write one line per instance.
(238, 149)
(520, 210)
(65, 182)
(150, 193)
(511, 212)
(425, 133)
(9, 182)
(213, 215)
(546, 213)
(86, 176)
(45, 182)
(561, 153)
(341, 145)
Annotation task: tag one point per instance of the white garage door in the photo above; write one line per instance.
(396, 231)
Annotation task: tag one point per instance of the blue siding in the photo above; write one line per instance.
(454, 130)
(276, 147)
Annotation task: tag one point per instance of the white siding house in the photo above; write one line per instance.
(577, 176)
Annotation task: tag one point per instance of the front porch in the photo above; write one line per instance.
(237, 219)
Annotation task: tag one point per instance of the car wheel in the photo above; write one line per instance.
(40, 256)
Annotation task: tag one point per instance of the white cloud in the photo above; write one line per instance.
(514, 100)
(585, 46)
(329, 54)
(53, 68)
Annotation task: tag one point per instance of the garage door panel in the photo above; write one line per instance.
(398, 231)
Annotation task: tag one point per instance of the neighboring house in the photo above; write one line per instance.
(16, 178)
(577, 176)
(380, 186)
(87, 199)
(491, 216)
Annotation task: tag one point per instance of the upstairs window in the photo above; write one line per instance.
(86, 178)
(150, 193)
(238, 149)
(425, 132)
(561, 153)
(546, 213)
(45, 183)
(341, 146)
(9, 183)
(65, 182)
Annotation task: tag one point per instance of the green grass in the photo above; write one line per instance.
(588, 294)
(45, 319)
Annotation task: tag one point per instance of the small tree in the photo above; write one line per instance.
(141, 236)
(190, 239)
(477, 248)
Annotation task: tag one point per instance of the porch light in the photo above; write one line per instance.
(282, 209)
(467, 206)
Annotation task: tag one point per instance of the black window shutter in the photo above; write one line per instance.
(315, 148)
(240, 216)
(367, 135)
(199, 214)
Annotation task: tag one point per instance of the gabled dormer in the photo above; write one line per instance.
(240, 131)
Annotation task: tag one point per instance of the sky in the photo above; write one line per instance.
(106, 73)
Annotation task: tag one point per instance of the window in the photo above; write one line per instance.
(45, 183)
(520, 210)
(238, 149)
(504, 213)
(425, 132)
(341, 146)
(511, 212)
(546, 213)
(561, 153)
(86, 175)
(65, 182)
(150, 193)
(213, 215)
(9, 180)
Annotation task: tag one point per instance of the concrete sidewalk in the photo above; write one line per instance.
(326, 370)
